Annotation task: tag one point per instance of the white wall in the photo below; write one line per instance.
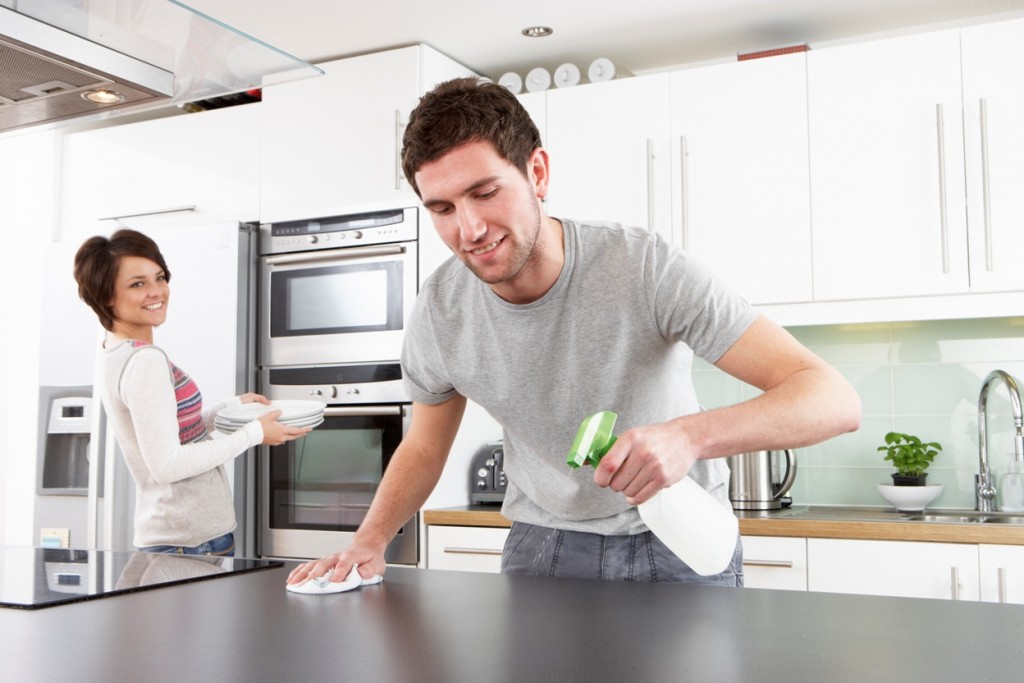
(27, 201)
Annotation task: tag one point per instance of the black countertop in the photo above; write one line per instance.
(430, 625)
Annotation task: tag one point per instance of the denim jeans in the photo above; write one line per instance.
(222, 545)
(539, 551)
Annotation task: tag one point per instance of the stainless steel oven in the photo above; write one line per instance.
(338, 289)
(315, 492)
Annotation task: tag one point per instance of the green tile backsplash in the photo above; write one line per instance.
(922, 378)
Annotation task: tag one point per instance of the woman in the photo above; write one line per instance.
(183, 502)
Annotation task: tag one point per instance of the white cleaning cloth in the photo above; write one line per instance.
(322, 585)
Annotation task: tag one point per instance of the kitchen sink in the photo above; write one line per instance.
(875, 514)
(960, 517)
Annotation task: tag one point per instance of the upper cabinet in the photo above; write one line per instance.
(993, 92)
(741, 192)
(333, 142)
(609, 147)
(181, 170)
(887, 172)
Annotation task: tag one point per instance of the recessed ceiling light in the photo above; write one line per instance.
(537, 31)
(104, 96)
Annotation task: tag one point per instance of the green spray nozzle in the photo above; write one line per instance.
(593, 439)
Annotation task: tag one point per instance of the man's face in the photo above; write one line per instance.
(485, 211)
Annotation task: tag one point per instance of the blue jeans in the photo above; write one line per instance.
(538, 551)
(222, 545)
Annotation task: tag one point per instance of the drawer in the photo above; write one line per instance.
(472, 549)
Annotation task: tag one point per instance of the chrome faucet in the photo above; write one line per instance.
(984, 485)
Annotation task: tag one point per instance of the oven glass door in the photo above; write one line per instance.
(326, 480)
(343, 305)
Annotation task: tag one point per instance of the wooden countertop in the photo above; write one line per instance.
(802, 522)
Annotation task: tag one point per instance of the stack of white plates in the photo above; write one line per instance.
(293, 413)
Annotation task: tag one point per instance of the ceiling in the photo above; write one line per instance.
(637, 35)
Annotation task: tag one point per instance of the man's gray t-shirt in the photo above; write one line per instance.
(615, 332)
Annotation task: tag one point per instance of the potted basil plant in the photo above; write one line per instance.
(910, 456)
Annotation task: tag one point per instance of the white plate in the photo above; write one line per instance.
(290, 410)
(309, 422)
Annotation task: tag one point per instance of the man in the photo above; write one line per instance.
(545, 321)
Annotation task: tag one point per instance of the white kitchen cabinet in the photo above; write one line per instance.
(993, 92)
(887, 172)
(465, 548)
(775, 562)
(741, 196)
(182, 170)
(1002, 573)
(333, 142)
(535, 104)
(895, 568)
(609, 146)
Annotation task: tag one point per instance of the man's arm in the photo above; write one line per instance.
(408, 480)
(805, 401)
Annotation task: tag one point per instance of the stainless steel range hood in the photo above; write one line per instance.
(72, 60)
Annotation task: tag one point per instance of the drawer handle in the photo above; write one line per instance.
(787, 564)
(455, 550)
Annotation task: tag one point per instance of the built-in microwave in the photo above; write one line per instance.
(338, 289)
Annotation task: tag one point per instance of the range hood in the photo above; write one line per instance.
(75, 60)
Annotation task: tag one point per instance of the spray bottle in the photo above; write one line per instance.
(687, 519)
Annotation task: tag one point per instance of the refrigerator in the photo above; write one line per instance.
(208, 334)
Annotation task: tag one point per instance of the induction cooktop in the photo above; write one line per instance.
(32, 578)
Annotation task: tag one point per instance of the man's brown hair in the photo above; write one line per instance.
(465, 110)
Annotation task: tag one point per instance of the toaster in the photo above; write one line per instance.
(487, 481)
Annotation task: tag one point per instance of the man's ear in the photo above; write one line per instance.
(539, 172)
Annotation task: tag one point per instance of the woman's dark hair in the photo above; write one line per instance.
(463, 110)
(97, 262)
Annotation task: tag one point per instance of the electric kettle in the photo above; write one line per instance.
(755, 483)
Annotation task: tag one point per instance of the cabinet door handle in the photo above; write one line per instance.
(650, 185)
(398, 149)
(1001, 573)
(954, 583)
(684, 182)
(785, 564)
(455, 550)
(940, 127)
(983, 118)
(157, 212)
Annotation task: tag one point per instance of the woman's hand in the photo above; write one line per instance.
(275, 433)
(254, 398)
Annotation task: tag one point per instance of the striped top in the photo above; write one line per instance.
(190, 403)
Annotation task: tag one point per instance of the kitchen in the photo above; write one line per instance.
(889, 342)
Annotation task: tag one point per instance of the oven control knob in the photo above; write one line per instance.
(316, 392)
(312, 239)
(358, 234)
(334, 392)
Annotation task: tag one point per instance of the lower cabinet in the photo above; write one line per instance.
(897, 568)
(909, 569)
(775, 562)
(1002, 573)
(465, 548)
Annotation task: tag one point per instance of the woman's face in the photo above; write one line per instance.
(140, 295)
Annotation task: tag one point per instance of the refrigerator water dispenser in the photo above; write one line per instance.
(65, 467)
